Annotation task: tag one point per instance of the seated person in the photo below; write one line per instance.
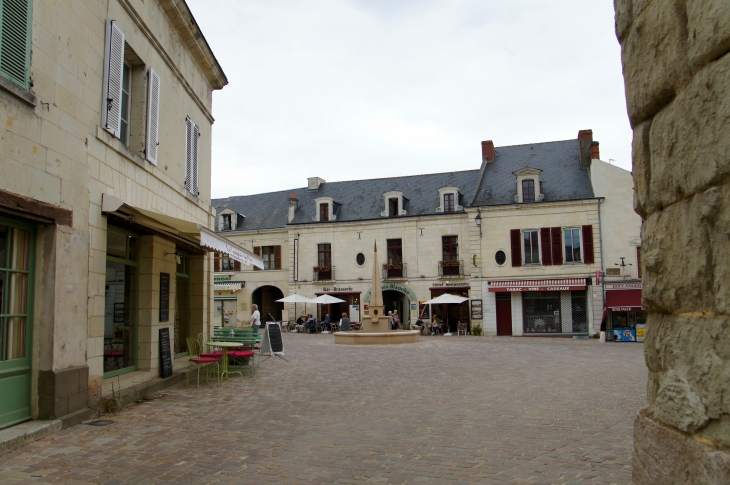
(435, 324)
(302, 318)
(326, 323)
(418, 326)
(311, 324)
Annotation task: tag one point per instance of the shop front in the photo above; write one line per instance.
(548, 307)
(452, 314)
(625, 315)
(226, 299)
(351, 305)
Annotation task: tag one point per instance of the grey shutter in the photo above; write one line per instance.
(111, 112)
(153, 116)
(15, 28)
(191, 156)
(196, 135)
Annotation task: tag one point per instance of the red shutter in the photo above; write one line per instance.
(216, 262)
(547, 255)
(556, 234)
(236, 265)
(515, 236)
(588, 257)
(277, 257)
(257, 252)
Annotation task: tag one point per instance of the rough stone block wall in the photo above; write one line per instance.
(677, 79)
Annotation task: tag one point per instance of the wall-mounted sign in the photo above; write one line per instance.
(448, 284)
(624, 286)
(476, 309)
(336, 288)
(165, 297)
(394, 287)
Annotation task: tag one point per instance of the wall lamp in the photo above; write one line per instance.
(178, 259)
(478, 221)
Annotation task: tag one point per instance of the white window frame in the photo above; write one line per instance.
(528, 173)
(539, 248)
(580, 240)
(324, 200)
(394, 194)
(449, 190)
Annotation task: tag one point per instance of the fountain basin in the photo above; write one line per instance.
(358, 337)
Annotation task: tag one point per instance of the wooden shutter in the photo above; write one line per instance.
(546, 248)
(15, 39)
(111, 112)
(257, 252)
(588, 250)
(515, 237)
(277, 257)
(216, 262)
(153, 116)
(556, 236)
(191, 156)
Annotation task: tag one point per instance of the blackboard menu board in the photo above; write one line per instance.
(164, 297)
(273, 343)
(165, 355)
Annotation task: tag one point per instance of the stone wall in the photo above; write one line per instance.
(677, 78)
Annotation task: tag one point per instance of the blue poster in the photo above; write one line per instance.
(624, 335)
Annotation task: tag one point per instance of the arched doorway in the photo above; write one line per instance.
(395, 300)
(265, 298)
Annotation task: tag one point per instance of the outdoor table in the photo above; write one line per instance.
(224, 358)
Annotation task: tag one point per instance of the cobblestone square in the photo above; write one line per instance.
(445, 410)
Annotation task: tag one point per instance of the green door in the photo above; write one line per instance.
(17, 243)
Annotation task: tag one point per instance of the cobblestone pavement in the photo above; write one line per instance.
(446, 410)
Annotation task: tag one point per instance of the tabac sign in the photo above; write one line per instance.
(571, 284)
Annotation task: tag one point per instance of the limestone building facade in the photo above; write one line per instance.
(106, 116)
(496, 234)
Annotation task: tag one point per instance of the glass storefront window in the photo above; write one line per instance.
(14, 277)
(541, 312)
(182, 305)
(120, 307)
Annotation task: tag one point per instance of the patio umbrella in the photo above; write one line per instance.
(445, 298)
(326, 300)
(294, 298)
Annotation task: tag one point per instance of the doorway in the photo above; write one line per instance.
(265, 298)
(395, 300)
(504, 314)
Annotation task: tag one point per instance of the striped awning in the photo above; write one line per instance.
(227, 285)
(568, 284)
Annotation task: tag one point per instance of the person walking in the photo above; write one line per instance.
(396, 320)
(344, 323)
(255, 318)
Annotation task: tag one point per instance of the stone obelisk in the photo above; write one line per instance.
(376, 320)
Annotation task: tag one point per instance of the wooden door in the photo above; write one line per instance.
(504, 314)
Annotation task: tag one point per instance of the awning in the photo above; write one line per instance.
(189, 232)
(570, 284)
(624, 300)
(227, 285)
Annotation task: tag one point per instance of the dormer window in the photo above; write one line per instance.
(324, 212)
(226, 222)
(229, 220)
(528, 185)
(325, 209)
(395, 204)
(392, 207)
(449, 200)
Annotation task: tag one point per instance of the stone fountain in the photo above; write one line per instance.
(376, 324)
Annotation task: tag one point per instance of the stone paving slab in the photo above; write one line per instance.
(487, 410)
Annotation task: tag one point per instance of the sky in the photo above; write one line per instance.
(355, 89)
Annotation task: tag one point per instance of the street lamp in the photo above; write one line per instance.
(478, 221)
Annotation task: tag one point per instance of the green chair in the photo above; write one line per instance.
(194, 351)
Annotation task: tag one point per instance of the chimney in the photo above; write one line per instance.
(595, 154)
(293, 205)
(313, 183)
(585, 143)
(488, 150)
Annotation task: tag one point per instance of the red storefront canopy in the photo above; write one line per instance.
(569, 284)
(624, 300)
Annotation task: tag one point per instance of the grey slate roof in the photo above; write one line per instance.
(562, 179)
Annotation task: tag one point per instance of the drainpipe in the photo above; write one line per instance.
(600, 239)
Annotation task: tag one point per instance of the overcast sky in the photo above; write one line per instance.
(352, 89)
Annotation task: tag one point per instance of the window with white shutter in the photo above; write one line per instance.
(192, 133)
(111, 113)
(15, 28)
(153, 117)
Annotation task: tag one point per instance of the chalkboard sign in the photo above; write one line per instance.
(164, 297)
(165, 356)
(273, 343)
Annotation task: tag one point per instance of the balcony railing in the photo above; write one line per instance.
(451, 269)
(395, 271)
(321, 273)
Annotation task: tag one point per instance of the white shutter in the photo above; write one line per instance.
(189, 153)
(111, 112)
(196, 135)
(153, 116)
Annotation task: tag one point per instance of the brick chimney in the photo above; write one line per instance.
(488, 150)
(585, 135)
(293, 205)
(595, 154)
(585, 146)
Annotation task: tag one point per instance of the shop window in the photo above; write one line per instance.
(182, 324)
(579, 309)
(15, 248)
(531, 245)
(528, 190)
(541, 312)
(120, 302)
(571, 242)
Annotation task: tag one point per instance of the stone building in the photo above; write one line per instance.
(106, 120)
(496, 234)
(677, 77)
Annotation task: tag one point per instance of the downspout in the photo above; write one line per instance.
(603, 271)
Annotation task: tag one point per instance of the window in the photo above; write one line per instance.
(227, 263)
(226, 222)
(571, 239)
(15, 38)
(392, 207)
(450, 248)
(324, 212)
(638, 261)
(360, 259)
(182, 328)
(126, 100)
(191, 156)
(528, 190)
(324, 255)
(500, 258)
(120, 302)
(531, 244)
(448, 202)
(395, 251)
(268, 255)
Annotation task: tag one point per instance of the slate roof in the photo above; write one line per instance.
(357, 200)
(562, 177)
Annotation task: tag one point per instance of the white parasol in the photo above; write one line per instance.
(445, 298)
(326, 300)
(294, 298)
